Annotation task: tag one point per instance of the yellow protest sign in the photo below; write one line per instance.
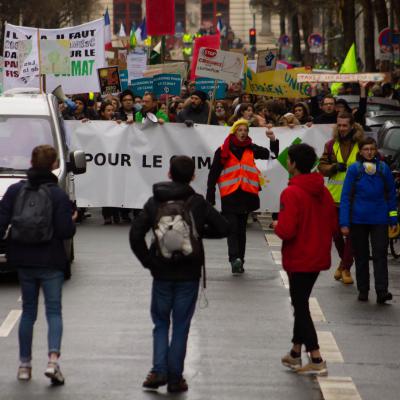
(278, 83)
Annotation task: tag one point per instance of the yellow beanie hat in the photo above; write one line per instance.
(236, 125)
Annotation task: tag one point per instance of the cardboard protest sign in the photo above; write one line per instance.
(55, 57)
(168, 68)
(141, 86)
(86, 56)
(207, 85)
(281, 83)
(167, 84)
(367, 77)
(109, 80)
(266, 60)
(219, 64)
(136, 65)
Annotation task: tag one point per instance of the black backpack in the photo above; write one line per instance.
(175, 233)
(32, 218)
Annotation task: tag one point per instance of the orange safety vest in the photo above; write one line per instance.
(241, 174)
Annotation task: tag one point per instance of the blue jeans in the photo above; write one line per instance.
(31, 279)
(176, 299)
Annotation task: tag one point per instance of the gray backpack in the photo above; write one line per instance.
(32, 218)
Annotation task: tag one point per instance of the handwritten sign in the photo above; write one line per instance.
(345, 78)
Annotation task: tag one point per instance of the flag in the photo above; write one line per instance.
(211, 41)
(155, 55)
(349, 66)
(141, 32)
(107, 31)
(132, 38)
(160, 17)
(220, 26)
(122, 32)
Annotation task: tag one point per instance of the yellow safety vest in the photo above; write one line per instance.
(335, 182)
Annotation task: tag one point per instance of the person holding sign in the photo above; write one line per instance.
(150, 106)
(238, 178)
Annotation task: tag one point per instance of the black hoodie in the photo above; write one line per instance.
(209, 223)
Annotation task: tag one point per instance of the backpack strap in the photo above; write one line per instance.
(329, 147)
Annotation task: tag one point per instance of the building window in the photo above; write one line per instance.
(209, 9)
(127, 12)
(180, 14)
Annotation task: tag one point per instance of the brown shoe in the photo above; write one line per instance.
(154, 381)
(338, 273)
(346, 277)
(178, 387)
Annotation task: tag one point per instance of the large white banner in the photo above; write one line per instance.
(86, 55)
(125, 161)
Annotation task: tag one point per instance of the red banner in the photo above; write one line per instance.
(210, 41)
(160, 17)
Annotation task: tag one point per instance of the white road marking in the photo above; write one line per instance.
(285, 279)
(273, 240)
(315, 310)
(19, 299)
(338, 388)
(277, 257)
(9, 323)
(329, 348)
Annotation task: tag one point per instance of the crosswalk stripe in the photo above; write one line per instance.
(272, 240)
(277, 256)
(315, 310)
(285, 279)
(338, 388)
(329, 348)
(8, 324)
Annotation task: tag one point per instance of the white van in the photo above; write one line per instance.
(28, 119)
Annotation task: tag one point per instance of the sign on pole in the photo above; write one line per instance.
(136, 65)
(266, 60)
(169, 84)
(207, 85)
(343, 78)
(123, 77)
(55, 57)
(109, 80)
(219, 64)
(142, 86)
(315, 42)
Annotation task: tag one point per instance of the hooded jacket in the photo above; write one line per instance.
(209, 223)
(43, 255)
(306, 224)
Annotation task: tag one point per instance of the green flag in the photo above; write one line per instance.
(349, 66)
(132, 39)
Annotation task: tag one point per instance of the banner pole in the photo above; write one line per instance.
(210, 107)
(40, 68)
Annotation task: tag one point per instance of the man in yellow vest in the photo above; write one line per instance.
(339, 153)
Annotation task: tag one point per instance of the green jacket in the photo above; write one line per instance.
(159, 114)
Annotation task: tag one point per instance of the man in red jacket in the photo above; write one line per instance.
(306, 224)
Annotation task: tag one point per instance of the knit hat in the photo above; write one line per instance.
(236, 125)
(200, 94)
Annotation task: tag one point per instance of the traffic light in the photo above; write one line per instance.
(252, 36)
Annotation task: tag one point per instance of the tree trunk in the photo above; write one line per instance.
(381, 14)
(307, 26)
(296, 51)
(349, 26)
(369, 40)
(282, 23)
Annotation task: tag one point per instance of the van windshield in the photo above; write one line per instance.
(18, 136)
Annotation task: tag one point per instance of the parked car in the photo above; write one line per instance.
(28, 119)
(389, 141)
(375, 119)
(373, 103)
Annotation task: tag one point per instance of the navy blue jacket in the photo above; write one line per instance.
(45, 255)
(371, 202)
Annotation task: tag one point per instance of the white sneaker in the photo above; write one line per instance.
(54, 373)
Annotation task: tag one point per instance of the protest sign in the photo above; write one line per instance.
(28, 60)
(120, 173)
(141, 86)
(109, 80)
(207, 85)
(123, 77)
(54, 57)
(266, 60)
(167, 84)
(168, 68)
(136, 65)
(86, 56)
(219, 64)
(282, 83)
(367, 77)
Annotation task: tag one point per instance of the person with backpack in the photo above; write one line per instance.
(39, 214)
(238, 178)
(368, 206)
(306, 224)
(339, 153)
(179, 219)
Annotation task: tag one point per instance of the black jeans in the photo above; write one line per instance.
(378, 234)
(300, 287)
(237, 235)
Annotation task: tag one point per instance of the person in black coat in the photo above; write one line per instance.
(176, 282)
(197, 111)
(237, 205)
(40, 264)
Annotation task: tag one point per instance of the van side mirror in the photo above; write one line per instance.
(77, 162)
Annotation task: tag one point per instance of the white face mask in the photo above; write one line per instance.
(220, 113)
(369, 167)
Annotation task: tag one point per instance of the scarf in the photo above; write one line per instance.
(231, 138)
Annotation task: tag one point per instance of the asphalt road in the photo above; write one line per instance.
(236, 341)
